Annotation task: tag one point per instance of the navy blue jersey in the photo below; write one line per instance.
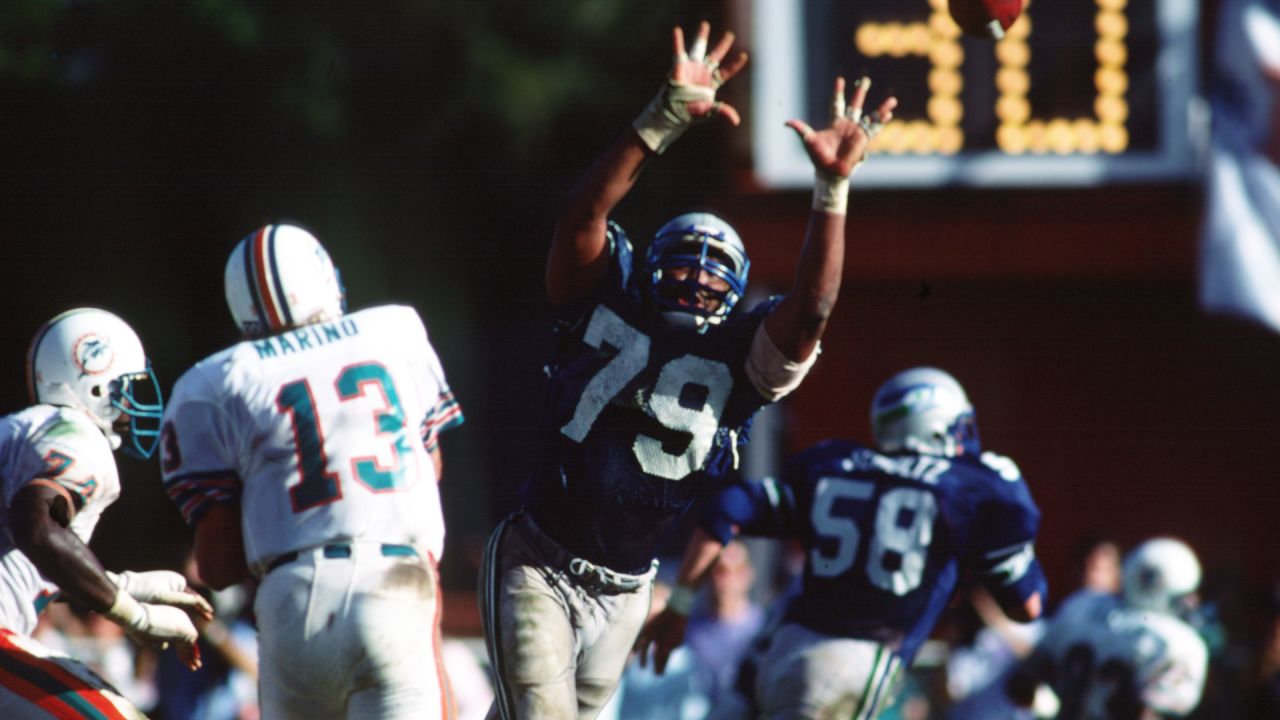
(641, 416)
(887, 536)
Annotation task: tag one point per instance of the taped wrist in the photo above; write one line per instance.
(126, 611)
(831, 193)
(667, 116)
(681, 599)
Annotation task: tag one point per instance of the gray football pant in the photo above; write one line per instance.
(559, 630)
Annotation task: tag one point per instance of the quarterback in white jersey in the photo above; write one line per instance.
(1107, 657)
(89, 377)
(307, 457)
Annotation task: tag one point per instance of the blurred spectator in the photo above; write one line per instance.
(468, 676)
(1099, 560)
(680, 693)
(721, 628)
(225, 688)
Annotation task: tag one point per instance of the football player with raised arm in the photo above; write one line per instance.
(307, 457)
(93, 392)
(1127, 656)
(887, 534)
(654, 378)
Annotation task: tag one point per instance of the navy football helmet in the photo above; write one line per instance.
(697, 270)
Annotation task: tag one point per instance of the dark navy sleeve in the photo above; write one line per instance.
(1003, 548)
(755, 507)
(617, 281)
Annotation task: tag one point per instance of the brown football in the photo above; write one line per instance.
(985, 18)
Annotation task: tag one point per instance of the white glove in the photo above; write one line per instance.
(155, 625)
(163, 587)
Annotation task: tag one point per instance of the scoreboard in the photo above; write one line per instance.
(1079, 92)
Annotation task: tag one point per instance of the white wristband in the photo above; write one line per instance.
(681, 599)
(126, 611)
(667, 116)
(831, 193)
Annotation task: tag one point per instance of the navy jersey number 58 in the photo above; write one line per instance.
(632, 347)
(903, 527)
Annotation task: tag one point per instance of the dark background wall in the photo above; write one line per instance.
(429, 145)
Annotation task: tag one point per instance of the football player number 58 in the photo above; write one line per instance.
(902, 533)
(701, 423)
(318, 485)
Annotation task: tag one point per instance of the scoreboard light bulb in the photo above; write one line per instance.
(1037, 139)
(924, 140)
(950, 140)
(1111, 110)
(917, 39)
(1111, 81)
(1012, 138)
(1086, 132)
(1013, 53)
(1114, 139)
(945, 82)
(946, 54)
(1111, 24)
(1013, 109)
(945, 110)
(1058, 134)
(1110, 52)
(896, 41)
(867, 39)
(942, 26)
(1013, 81)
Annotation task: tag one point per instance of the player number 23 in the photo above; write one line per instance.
(664, 403)
(908, 541)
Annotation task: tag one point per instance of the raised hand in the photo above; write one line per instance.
(689, 95)
(838, 149)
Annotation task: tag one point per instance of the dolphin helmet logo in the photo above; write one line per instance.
(92, 354)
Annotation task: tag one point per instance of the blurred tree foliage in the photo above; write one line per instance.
(428, 144)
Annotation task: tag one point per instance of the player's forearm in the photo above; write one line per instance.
(798, 322)
(699, 555)
(65, 561)
(578, 258)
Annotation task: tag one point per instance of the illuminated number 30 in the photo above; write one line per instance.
(1019, 132)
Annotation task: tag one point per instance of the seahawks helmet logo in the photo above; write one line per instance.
(92, 354)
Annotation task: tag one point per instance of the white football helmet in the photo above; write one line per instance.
(280, 277)
(92, 360)
(924, 410)
(1160, 575)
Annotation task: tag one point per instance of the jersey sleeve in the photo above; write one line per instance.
(617, 281)
(443, 410)
(1003, 544)
(1177, 683)
(755, 507)
(71, 453)
(198, 456)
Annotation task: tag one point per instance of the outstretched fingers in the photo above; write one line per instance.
(837, 100)
(699, 49)
(721, 49)
(677, 40)
(801, 127)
